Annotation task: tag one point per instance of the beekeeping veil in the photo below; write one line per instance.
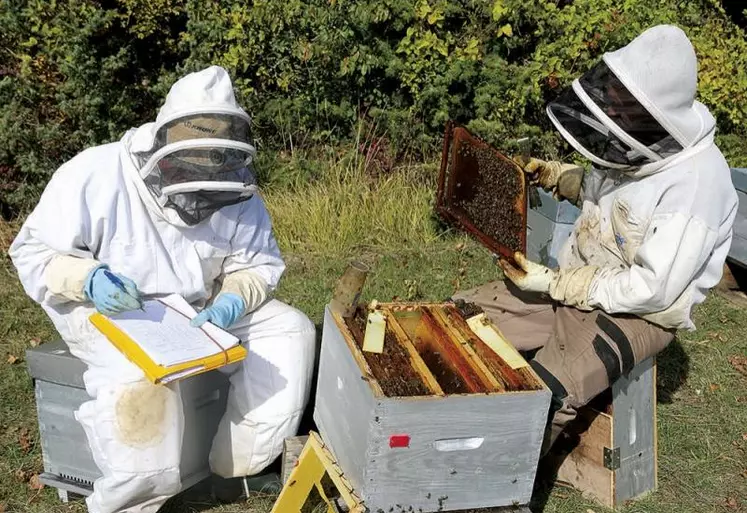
(637, 107)
(197, 157)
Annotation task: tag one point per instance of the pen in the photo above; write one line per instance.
(113, 277)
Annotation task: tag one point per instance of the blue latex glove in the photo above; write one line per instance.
(225, 310)
(112, 293)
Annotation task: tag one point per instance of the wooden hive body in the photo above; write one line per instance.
(738, 249)
(436, 451)
(615, 458)
(549, 225)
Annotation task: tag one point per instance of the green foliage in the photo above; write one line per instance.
(80, 72)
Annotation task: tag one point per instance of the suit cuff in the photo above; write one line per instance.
(249, 286)
(66, 276)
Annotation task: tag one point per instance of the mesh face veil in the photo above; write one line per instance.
(200, 164)
(604, 121)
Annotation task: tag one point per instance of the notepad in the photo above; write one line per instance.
(161, 341)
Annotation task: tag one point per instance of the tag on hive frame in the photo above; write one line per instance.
(373, 341)
(483, 328)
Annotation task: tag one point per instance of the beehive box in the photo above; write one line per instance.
(437, 422)
(614, 459)
(738, 250)
(59, 389)
(549, 225)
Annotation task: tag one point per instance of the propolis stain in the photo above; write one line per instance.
(142, 414)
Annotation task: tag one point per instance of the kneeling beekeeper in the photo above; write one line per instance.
(655, 228)
(170, 208)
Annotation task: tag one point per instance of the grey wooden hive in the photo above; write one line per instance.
(738, 250)
(614, 460)
(549, 225)
(431, 452)
(59, 389)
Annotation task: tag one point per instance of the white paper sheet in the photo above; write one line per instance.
(163, 331)
(181, 374)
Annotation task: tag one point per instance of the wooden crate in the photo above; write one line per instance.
(615, 457)
(454, 427)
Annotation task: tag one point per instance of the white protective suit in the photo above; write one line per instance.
(97, 209)
(654, 233)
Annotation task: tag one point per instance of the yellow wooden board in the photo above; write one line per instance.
(313, 481)
(484, 329)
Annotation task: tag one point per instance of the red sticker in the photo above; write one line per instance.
(399, 441)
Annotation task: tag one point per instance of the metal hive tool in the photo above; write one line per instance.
(482, 192)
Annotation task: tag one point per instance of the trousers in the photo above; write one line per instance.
(135, 428)
(578, 354)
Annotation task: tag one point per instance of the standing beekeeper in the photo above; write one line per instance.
(655, 228)
(169, 209)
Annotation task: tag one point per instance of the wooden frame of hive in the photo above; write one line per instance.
(458, 172)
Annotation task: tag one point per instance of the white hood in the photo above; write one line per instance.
(659, 69)
(196, 96)
(204, 92)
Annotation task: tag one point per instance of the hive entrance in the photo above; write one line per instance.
(429, 349)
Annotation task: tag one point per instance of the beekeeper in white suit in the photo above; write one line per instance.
(655, 228)
(169, 209)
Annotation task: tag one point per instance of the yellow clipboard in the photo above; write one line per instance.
(155, 372)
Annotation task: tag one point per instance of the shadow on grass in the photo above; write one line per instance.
(547, 472)
(672, 370)
(199, 498)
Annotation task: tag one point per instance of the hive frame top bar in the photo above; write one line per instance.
(478, 369)
(454, 215)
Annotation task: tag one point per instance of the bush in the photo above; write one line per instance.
(75, 74)
(80, 72)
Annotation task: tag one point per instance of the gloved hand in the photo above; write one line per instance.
(528, 276)
(110, 292)
(225, 310)
(567, 286)
(563, 180)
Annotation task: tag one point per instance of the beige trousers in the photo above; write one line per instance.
(580, 354)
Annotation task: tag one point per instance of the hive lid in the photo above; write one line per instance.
(482, 192)
(53, 362)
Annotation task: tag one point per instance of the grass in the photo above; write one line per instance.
(329, 211)
(347, 208)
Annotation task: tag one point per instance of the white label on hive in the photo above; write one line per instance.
(483, 328)
(458, 444)
(373, 340)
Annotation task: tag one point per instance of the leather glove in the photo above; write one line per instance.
(528, 276)
(225, 311)
(567, 286)
(564, 181)
(248, 285)
(111, 293)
